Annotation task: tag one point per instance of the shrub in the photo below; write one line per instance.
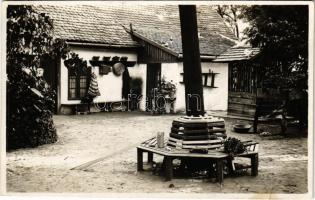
(30, 100)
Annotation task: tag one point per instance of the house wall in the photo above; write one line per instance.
(110, 85)
(214, 98)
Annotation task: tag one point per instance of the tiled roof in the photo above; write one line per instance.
(209, 44)
(238, 53)
(160, 23)
(86, 24)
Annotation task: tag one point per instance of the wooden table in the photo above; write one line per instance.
(171, 153)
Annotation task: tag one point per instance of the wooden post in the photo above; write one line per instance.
(150, 157)
(220, 171)
(139, 159)
(168, 168)
(254, 164)
(191, 60)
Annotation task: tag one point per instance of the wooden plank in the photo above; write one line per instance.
(188, 119)
(246, 141)
(249, 117)
(241, 114)
(171, 143)
(242, 111)
(249, 143)
(194, 125)
(152, 142)
(187, 138)
(173, 139)
(245, 95)
(251, 105)
(206, 143)
(241, 105)
(202, 131)
(197, 137)
(176, 136)
(239, 167)
(175, 142)
(242, 100)
(203, 142)
(149, 140)
(201, 146)
(179, 153)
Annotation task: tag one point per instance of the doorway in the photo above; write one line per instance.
(50, 75)
(153, 81)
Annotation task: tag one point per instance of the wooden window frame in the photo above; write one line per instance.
(77, 87)
(206, 79)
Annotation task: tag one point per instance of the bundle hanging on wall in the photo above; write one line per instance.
(93, 88)
(104, 69)
(118, 69)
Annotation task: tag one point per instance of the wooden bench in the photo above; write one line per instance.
(216, 155)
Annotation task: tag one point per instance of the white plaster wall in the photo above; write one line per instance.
(214, 98)
(110, 86)
(171, 71)
(217, 98)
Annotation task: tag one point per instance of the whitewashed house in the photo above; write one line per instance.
(149, 36)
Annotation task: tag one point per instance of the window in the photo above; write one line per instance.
(83, 86)
(78, 85)
(72, 87)
(208, 79)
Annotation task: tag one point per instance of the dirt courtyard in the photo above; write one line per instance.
(114, 136)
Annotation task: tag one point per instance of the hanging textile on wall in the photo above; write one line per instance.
(126, 83)
(93, 88)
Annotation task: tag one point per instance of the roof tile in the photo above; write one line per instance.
(238, 53)
(160, 23)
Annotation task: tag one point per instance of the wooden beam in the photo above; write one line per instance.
(191, 60)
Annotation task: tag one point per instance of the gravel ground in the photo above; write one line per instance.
(82, 138)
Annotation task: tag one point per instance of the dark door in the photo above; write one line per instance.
(50, 75)
(153, 81)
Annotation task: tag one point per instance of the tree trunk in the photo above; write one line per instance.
(191, 61)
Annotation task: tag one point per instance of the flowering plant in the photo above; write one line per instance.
(168, 88)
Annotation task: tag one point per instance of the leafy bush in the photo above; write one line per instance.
(29, 118)
(233, 146)
(30, 100)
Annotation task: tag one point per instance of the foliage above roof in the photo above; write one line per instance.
(160, 23)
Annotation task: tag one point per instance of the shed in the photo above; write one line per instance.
(243, 80)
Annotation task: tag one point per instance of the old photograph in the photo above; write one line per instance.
(159, 97)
